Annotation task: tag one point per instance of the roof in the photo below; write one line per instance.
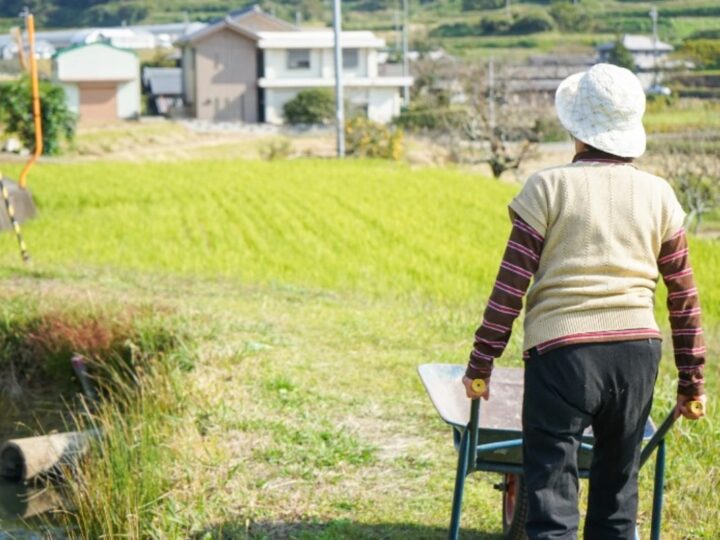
(247, 22)
(163, 81)
(73, 48)
(317, 39)
(637, 43)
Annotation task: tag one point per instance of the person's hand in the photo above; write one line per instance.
(683, 406)
(467, 382)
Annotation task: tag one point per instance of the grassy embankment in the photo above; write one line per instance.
(312, 290)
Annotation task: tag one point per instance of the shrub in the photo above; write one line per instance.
(620, 56)
(535, 21)
(571, 17)
(473, 5)
(313, 106)
(461, 29)
(365, 138)
(276, 149)
(496, 24)
(524, 23)
(706, 52)
(16, 111)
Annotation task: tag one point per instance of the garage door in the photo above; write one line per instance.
(98, 102)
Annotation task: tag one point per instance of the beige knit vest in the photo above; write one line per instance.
(603, 226)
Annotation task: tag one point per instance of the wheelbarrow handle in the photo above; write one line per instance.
(473, 427)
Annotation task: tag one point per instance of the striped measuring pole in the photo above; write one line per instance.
(15, 225)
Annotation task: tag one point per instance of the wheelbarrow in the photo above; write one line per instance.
(493, 442)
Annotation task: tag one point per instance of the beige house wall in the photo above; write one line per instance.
(226, 78)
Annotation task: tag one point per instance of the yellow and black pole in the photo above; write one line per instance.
(16, 197)
(13, 221)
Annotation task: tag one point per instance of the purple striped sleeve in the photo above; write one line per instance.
(518, 266)
(684, 311)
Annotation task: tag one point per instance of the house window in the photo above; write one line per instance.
(351, 58)
(298, 59)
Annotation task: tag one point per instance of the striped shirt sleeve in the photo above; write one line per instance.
(518, 266)
(684, 310)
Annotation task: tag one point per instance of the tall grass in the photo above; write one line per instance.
(120, 489)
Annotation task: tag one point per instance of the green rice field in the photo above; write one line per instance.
(311, 290)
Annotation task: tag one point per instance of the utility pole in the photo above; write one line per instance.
(398, 32)
(654, 17)
(491, 93)
(406, 62)
(339, 99)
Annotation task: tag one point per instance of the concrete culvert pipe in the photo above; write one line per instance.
(25, 459)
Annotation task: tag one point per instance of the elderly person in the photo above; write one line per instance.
(592, 237)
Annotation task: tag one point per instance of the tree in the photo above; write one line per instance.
(313, 106)
(572, 17)
(491, 127)
(696, 179)
(58, 121)
(620, 56)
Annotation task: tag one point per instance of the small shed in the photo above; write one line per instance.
(163, 86)
(101, 82)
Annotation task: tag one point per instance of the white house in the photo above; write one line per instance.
(647, 54)
(294, 61)
(123, 38)
(101, 82)
(43, 50)
(247, 66)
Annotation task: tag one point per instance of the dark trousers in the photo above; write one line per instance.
(608, 386)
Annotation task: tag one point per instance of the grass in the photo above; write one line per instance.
(688, 116)
(311, 290)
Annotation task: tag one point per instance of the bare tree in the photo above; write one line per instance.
(489, 125)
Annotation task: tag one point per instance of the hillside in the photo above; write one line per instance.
(462, 26)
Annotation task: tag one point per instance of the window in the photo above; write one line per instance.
(298, 59)
(351, 58)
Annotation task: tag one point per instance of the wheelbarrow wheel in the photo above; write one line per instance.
(515, 507)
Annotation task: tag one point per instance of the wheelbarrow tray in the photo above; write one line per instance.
(500, 416)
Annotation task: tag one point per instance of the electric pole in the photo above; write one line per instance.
(654, 17)
(339, 100)
(406, 61)
(491, 93)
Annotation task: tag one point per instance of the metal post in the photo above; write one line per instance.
(491, 93)
(398, 31)
(658, 492)
(339, 98)
(473, 427)
(654, 17)
(460, 475)
(406, 62)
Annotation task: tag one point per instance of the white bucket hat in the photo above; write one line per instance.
(603, 107)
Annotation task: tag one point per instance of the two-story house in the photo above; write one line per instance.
(247, 66)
